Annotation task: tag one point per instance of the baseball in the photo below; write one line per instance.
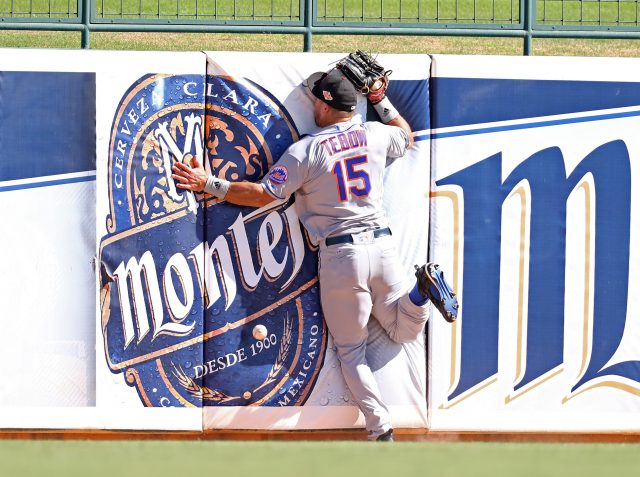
(260, 332)
(376, 86)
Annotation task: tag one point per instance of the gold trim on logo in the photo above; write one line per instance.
(522, 265)
(323, 345)
(132, 377)
(521, 345)
(111, 219)
(534, 384)
(210, 334)
(587, 324)
(199, 391)
(132, 150)
(141, 228)
(587, 320)
(275, 106)
(628, 388)
(294, 363)
(246, 123)
(170, 387)
(455, 202)
(470, 392)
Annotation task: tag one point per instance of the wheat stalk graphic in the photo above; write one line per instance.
(208, 394)
(285, 345)
(202, 392)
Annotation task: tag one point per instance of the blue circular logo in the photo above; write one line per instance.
(205, 303)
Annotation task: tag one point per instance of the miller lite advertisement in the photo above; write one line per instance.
(534, 210)
(210, 306)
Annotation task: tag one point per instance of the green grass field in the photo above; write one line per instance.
(321, 43)
(590, 12)
(311, 459)
(499, 12)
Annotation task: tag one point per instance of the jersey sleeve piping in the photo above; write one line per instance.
(270, 192)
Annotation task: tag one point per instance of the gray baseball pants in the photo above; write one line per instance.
(357, 281)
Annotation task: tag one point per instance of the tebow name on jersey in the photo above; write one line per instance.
(344, 141)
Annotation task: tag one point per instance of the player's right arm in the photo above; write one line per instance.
(196, 179)
(248, 193)
(282, 180)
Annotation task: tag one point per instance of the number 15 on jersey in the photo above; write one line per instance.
(352, 178)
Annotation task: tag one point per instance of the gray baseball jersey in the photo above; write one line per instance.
(337, 175)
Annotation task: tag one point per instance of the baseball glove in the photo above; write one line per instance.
(366, 74)
(432, 285)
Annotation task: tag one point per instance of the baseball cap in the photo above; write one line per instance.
(334, 89)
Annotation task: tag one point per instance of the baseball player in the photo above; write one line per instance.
(336, 175)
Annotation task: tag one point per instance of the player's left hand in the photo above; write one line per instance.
(366, 74)
(192, 177)
(378, 91)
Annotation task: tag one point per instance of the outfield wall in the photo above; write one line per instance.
(127, 304)
(535, 187)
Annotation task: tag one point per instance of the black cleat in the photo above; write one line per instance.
(386, 437)
(432, 285)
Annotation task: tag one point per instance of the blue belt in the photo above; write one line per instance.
(348, 238)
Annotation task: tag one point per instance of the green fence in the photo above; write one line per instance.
(526, 19)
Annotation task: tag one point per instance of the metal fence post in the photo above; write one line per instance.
(529, 9)
(86, 21)
(308, 24)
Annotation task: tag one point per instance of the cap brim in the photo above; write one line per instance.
(311, 81)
